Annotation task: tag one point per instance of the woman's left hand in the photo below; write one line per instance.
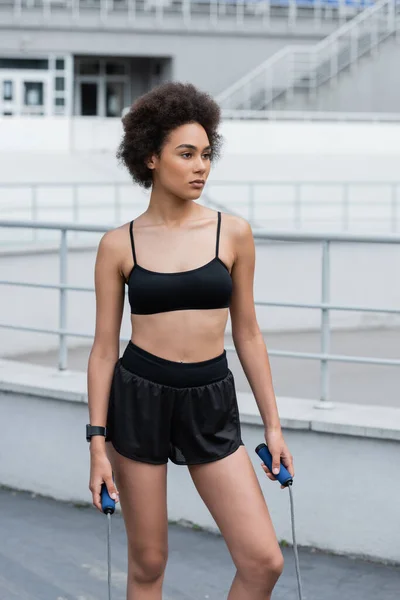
(279, 451)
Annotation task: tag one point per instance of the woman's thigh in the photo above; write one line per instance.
(231, 491)
(142, 491)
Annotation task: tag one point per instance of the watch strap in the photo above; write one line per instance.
(92, 430)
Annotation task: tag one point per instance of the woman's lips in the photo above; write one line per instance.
(197, 184)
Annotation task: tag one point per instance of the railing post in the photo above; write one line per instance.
(317, 13)
(34, 211)
(394, 207)
(251, 203)
(342, 12)
(292, 16)
(268, 89)
(325, 328)
(247, 96)
(312, 75)
(297, 206)
(374, 36)
(214, 12)
(117, 204)
(62, 318)
(103, 10)
(75, 8)
(291, 76)
(46, 9)
(75, 203)
(131, 11)
(391, 15)
(17, 8)
(267, 13)
(186, 8)
(334, 63)
(353, 48)
(239, 12)
(345, 207)
(159, 11)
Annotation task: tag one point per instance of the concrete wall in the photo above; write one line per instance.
(360, 275)
(253, 139)
(211, 60)
(343, 461)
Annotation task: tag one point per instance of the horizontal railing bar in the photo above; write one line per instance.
(304, 182)
(225, 182)
(263, 234)
(281, 353)
(64, 183)
(48, 331)
(319, 305)
(309, 115)
(56, 225)
(47, 286)
(315, 305)
(332, 357)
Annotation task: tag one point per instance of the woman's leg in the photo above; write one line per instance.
(231, 491)
(142, 491)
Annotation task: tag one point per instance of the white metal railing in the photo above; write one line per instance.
(303, 69)
(191, 14)
(347, 205)
(324, 306)
(312, 115)
(341, 205)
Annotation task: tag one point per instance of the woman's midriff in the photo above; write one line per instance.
(181, 335)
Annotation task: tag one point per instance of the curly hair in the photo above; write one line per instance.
(154, 115)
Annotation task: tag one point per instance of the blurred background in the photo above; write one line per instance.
(310, 97)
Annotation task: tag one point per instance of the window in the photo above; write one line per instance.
(59, 101)
(33, 93)
(60, 64)
(60, 84)
(91, 67)
(23, 63)
(115, 68)
(115, 92)
(7, 90)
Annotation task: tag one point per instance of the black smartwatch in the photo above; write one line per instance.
(92, 430)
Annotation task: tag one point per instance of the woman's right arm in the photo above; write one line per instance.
(110, 294)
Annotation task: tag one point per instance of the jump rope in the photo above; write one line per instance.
(284, 478)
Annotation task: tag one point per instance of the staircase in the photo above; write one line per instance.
(299, 71)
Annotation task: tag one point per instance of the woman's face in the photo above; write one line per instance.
(185, 158)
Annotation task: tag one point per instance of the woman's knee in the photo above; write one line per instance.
(262, 568)
(147, 564)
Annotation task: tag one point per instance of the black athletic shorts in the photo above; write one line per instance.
(160, 409)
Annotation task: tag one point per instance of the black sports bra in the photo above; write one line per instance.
(208, 286)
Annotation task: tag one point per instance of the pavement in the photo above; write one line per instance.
(55, 550)
(299, 378)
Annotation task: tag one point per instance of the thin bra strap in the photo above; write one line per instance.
(218, 231)
(132, 242)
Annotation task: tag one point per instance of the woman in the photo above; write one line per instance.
(171, 395)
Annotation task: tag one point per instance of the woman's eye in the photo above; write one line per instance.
(207, 155)
(187, 154)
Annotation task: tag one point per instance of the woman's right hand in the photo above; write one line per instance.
(101, 472)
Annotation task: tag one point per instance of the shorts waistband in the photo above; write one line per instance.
(173, 373)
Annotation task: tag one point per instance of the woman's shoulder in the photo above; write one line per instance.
(237, 226)
(114, 238)
(115, 244)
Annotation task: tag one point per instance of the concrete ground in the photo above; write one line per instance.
(58, 551)
(299, 378)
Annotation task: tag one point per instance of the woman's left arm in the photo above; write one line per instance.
(250, 346)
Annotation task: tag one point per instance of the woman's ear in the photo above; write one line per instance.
(150, 162)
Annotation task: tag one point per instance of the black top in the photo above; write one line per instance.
(208, 286)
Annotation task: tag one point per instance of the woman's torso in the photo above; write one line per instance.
(179, 287)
